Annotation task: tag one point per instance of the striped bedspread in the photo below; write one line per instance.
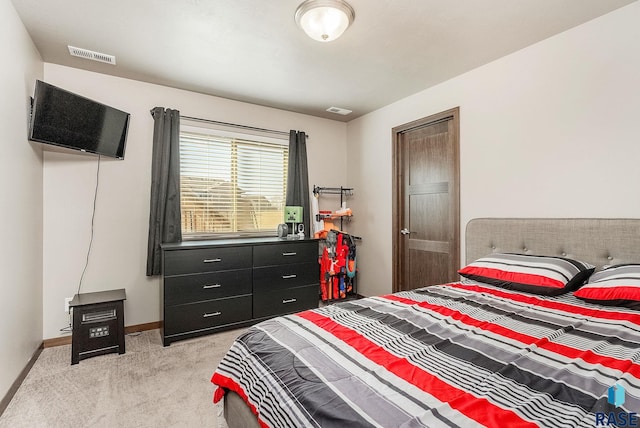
(461, 355)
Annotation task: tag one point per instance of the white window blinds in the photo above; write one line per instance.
(231, 185)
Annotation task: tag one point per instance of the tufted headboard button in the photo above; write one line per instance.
(563, 254)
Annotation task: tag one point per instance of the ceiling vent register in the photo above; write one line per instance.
(93, 56)
(339, 110)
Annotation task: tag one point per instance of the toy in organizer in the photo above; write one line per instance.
(337, 266)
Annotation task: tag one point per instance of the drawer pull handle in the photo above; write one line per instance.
(206, 287)
(285, 301)
(211, 260)
(289, 276)
(213, 314)
(289, 254)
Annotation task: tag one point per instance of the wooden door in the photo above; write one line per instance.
(426, 211)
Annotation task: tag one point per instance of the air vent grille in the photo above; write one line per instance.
(94, 56)
(338, 110)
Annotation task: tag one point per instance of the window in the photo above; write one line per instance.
(231, 184)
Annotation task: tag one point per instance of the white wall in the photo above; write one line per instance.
(21, 211)
(550, 131)
(118, 257)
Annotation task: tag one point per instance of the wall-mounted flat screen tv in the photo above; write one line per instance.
(64, 119)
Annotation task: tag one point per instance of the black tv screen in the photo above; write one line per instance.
(65, 119)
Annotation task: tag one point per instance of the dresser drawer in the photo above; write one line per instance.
(177, 262)
(206, 286)
(203, 315)
(278, 254)
(285, 276)
(285, 301)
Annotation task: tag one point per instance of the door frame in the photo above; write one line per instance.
(397, 213)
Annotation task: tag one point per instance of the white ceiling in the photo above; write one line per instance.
(252, 50)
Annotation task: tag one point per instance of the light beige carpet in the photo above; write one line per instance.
(148, 386)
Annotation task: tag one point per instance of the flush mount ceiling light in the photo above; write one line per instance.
(324, 20)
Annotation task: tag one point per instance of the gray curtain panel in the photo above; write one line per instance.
(164, 215)
(298, 177)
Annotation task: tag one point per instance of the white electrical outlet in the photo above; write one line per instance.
(67, 300)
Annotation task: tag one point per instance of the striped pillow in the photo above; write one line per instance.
(617, 285)
(544, 275)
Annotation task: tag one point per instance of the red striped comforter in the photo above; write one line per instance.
(460, 355)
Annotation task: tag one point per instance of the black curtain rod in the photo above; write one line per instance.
(235, 125)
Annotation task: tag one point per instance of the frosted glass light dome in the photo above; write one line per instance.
(324, 20)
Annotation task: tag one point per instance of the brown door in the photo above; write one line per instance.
(426, 229)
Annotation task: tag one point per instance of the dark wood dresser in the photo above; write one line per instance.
(209, 286)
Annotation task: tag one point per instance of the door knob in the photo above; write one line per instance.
(405, 231)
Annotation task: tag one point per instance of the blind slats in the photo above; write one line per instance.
(231, 185)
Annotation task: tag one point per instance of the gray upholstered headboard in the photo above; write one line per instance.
(599, 241)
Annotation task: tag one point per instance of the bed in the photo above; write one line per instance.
(471, 353)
